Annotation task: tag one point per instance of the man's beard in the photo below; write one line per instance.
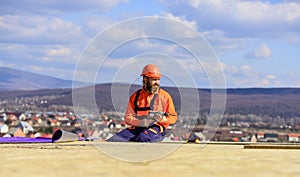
(152, 88)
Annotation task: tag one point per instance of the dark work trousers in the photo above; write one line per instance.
(153, 133)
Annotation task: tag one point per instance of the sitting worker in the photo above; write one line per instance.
(150, 111)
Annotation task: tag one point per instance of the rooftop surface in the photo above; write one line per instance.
(126, 159)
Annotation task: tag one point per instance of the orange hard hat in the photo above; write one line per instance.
(151, 70)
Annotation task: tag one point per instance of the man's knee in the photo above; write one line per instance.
(123, 136)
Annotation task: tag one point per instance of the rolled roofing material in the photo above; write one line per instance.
(58, 136)
(64, 136)
(24, 140)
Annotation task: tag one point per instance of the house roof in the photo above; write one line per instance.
(261, 133)
(294, 135)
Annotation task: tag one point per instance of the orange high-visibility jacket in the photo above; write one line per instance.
(163, 102)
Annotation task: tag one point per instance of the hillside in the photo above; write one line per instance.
(283, 102)
(12, 79)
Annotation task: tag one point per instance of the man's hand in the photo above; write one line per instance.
(160, 118)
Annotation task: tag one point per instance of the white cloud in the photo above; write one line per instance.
(268, 80)
(33, 29)
(182, 19)
(243, 76)
(56, 6)
(270, 76)
(222, 43)
(40, 59)
(42, 41)
(260, 53)
(238, 18)
(243, 72)
(92, 25)
(51, 35)
(59, 51)
(247, 76)
(64, 73)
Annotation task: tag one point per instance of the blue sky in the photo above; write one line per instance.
(256, 42)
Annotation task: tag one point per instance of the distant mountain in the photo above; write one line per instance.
(13, 79)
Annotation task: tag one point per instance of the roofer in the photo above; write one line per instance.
(150, 111)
